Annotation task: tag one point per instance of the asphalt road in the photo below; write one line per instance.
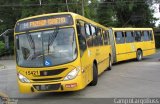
(126, 79)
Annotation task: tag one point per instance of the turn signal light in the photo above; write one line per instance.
(71, 85)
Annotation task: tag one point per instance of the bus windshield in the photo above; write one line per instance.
(46, 48)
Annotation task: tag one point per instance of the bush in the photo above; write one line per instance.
(2, 48)
(157, 38)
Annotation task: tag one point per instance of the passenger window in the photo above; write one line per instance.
(119, 37)
(95, 37)
(88, 35)
(93, 30)
(106, 37)
(87, 28)
(81, 37)
(99, 37)
(81, 28)
(150, 35)
(129, 37)
(138, 36)
(146, 35)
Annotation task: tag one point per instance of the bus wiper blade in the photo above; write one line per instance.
(31, 42)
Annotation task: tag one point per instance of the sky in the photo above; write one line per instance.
(157, 13)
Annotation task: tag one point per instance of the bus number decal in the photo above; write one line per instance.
(34, 73)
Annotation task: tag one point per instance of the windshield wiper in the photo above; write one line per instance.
(52, 37)
(31, 42)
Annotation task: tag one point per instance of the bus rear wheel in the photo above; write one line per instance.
(110, 64)
(139, 55)
(95, 76)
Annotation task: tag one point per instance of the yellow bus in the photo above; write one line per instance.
(130, 43)
(60, 52)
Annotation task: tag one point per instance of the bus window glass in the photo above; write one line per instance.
(129, 37)
(106, 39)
(146, 35)
(119, 37)
(88, 35)
(150, 35)
(100, 37)
(138, 36)
(93, 30)
(81, 37)
(52, 46)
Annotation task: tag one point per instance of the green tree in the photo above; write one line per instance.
(2, 47)
(123, 13)
(106, 14)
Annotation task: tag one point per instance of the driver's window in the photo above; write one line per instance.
(81, 36)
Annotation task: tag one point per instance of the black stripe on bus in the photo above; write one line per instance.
(135, 51)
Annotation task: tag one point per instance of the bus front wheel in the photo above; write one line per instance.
(139, 55)
(95, 76)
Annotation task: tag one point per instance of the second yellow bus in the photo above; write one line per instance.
(130, 43)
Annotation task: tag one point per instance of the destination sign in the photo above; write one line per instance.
(44, 22)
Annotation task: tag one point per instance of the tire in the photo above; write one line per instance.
(139, 55)
(95, 76)
(110, 64)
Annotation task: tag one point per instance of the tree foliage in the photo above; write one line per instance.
(123, 13)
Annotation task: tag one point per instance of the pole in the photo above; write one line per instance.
(40, 2)
(82, 7)
(67, 5)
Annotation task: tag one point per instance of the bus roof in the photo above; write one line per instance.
(71, 13)
(130, 28)
(48, 14)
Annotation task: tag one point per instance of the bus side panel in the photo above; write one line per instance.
(103, 58)
(86, 66)
(130, 51)
(121, 52)
(139, 45)
(150, 46)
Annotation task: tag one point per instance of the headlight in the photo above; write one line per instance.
(23, 78)
(71, 75)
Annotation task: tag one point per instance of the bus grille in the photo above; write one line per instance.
(51, 72)
(47, 79)
(47, 87)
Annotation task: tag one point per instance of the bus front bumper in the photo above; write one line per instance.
(61, 86)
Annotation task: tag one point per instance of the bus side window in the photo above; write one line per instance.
(88, 35)
(93, 30)
(146, 35)
(99, 36)
(93, 33)
(129, 37)
(106, 37)
(95, 39)
(81, 36)
(138, 36)
(150, 35)
(119, 37)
